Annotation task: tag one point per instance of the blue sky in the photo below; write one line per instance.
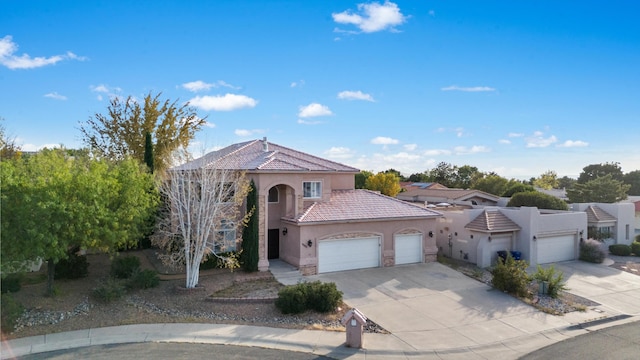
(515, 87)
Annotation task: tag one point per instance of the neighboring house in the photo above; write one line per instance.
(541, 236)
(407, 185)
(614, 223)
(635, 200)
(312, 217)
(450, 196)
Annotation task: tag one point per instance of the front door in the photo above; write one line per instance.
(273, 250)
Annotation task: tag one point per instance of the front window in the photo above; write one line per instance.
(273, 195)
(312, 189)
(224, 238)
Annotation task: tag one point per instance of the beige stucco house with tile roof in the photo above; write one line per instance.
(312, 217)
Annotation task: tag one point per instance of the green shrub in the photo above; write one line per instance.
(553, 280)
(124, 267)
(144, 279)
(322, 297)
(620, 249)
(292, 299)
(109, 290)
(637, 238)
(591, 251)
(318, 296)
(11, 283)
(537, 199)
(11, 312)
(635, 248)
(511, 276)
(73, 267)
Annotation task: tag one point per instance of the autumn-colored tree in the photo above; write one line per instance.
(548, 180)
(202, 217)
(121, 132)
(361, 179)
(387, 183)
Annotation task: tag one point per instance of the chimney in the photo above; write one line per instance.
(265, 144)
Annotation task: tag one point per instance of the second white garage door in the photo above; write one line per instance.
(408, 249)
(348, 254)
(556, 248)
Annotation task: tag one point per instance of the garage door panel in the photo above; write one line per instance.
(408, 249)
(555, 249)
(348, 254)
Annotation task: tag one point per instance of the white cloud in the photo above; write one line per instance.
(195, 86)
(227, 102)
(297, 83)
(354, 95)
(104, 89)
(210, 125)
(463, 150)
(314, 110)
(339, 152)
(381, 140)
(436, 152)
(55, 95)
(537, 140)
(467, 89)
(309, 122)
(12, 61)
(410, 147)
(247, 132)
(572, 143)
(504, 141)
(515, 135)
(199, 85)
(372, 17)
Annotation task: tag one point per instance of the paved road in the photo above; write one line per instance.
(172, 351)
(617, 342)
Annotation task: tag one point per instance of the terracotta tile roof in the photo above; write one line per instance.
(492, 221)
(359, 204)
(258, 155)
(596, 214)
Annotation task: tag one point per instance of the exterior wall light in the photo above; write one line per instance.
(535, 238)
(309, 242)
(430, 233)
(285, 231)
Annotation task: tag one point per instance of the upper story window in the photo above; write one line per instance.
(273, 195)
(312, 189)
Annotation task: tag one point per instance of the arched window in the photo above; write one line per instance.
(273, 195)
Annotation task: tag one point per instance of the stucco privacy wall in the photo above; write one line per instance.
(623, 212)
(298, 253)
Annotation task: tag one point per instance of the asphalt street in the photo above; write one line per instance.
(618, 342)
(166, 351)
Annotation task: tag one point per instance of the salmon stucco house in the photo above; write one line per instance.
(312, 217)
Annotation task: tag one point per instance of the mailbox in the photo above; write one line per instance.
(354, 322)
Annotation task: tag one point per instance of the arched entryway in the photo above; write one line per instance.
(280, 203)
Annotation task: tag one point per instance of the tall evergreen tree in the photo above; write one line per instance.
(249, 257)
(148, 151)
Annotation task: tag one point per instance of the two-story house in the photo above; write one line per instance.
(312, 217)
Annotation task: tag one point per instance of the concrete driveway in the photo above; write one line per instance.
(431, 306)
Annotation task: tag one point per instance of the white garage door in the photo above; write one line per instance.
(408, 249)
(556, 248)
(348, 254)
